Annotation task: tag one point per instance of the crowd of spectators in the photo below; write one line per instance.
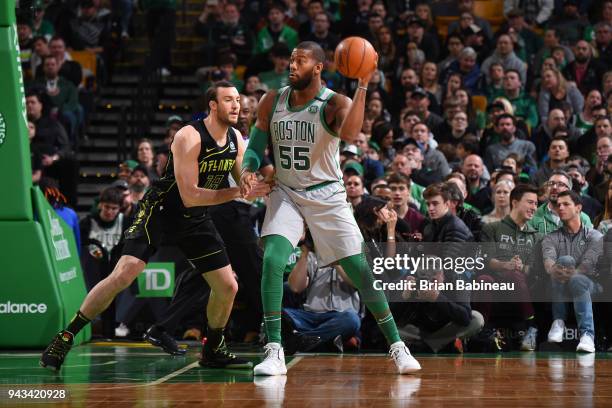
(474, 133)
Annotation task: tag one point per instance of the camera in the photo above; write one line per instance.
(307, 241)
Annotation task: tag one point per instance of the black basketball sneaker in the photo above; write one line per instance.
(55, 353)
(160, 338)
(220, 357)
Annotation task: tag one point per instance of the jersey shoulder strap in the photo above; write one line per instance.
(233, 139)
(280, 100)
(326, 95)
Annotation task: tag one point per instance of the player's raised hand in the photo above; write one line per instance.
(247, 179)
(257, 189)
(365, 80)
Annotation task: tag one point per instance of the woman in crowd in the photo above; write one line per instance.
(429, 80)
(556, 89)
(145, 155)
(424, 13)
(382, 134)
(501, 201)
(604, 221)
(453, 82)
(354, 190)
(387, 52)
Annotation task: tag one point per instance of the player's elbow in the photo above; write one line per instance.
(188, 198)
(188, 202)
(348, 139)
(347, 135)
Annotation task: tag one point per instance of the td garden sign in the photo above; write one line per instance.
(157, 280)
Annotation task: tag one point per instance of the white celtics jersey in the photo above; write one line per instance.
(306, 151)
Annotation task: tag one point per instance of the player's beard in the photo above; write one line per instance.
(224, 118)
(302, 83)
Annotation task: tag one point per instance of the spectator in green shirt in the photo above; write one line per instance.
(546, 219)
(40, 25)
(524, 106)
(62, 94)
(593, 108)
(275, 31)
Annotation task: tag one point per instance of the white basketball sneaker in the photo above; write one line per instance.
(274, 361)
(404, 361)
(586, 344)
(555, 335)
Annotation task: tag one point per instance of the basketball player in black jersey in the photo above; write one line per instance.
(175, 211)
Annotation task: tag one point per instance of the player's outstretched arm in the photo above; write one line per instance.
(258, 140)
(349, 114)
(185, 151)
(258, 188)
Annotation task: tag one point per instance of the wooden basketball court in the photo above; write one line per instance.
(138, 375)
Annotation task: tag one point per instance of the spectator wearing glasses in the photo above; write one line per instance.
(546, 219)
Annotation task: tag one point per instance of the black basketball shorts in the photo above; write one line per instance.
(195, 235)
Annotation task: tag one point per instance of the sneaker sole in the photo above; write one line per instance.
(409, 370)
(48, 367)
(157, 343)
(255, 372)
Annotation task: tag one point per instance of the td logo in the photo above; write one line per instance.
(157, 280)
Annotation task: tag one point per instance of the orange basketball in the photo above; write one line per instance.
(355, 57)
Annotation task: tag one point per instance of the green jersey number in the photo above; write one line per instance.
(300, 158)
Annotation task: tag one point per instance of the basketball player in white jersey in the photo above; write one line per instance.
(305, 123)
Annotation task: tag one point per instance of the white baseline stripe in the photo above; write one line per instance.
(174, 374)
(294, 362)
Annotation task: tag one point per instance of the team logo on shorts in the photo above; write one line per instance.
(313, 109)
